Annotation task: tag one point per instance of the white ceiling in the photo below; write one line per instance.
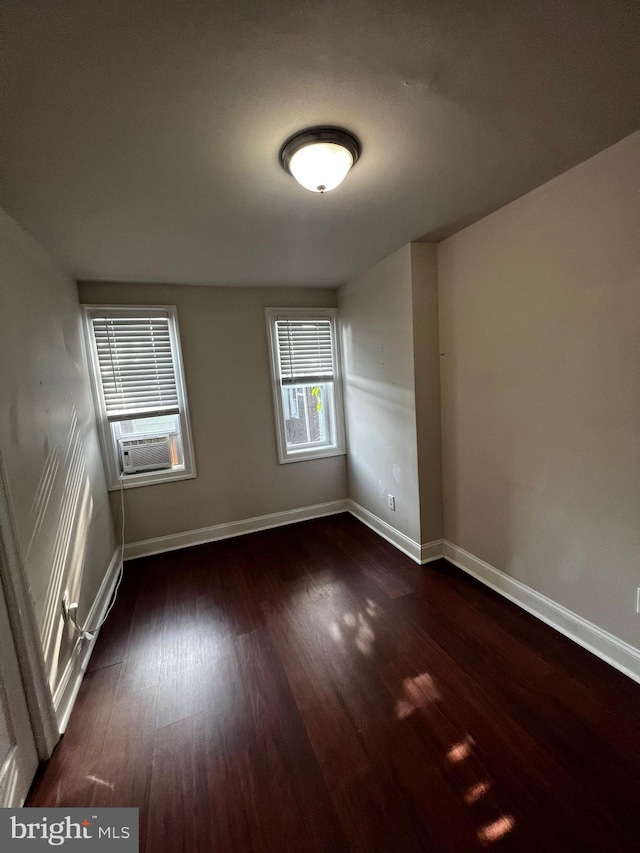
(140, 138)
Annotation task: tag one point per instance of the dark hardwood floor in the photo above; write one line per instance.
(311, 689)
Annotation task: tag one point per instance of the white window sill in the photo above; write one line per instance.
(150, 478)
(307, 454)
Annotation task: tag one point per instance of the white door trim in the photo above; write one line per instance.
(18, 755)
(25, 630)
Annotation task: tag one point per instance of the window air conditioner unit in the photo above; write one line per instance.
(145, 454)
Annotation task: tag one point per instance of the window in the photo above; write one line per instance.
(139, 393)
(306, 383)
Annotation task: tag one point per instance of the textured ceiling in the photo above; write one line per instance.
(140, 139)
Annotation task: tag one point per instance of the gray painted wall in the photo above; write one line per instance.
(376, 324)
(389, 330)
(540, 330)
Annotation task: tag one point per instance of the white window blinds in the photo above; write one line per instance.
(305, 352)
(135, 363)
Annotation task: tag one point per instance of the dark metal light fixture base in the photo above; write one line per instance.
(318, 134)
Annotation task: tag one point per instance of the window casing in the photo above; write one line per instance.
(139, 391)
(305, 372)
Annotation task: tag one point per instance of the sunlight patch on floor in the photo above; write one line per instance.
(419, 693)
(476, 792)
(496, 830)
(461, 750)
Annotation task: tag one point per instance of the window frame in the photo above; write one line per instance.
(306, 453)
(117, 479)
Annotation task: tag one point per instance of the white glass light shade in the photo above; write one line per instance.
(320, 166)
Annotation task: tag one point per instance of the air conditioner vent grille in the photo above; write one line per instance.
(145, 454)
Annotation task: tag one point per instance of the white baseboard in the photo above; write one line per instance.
(173, 542)
(611, 649)
(431, 551)
(65, 694)
(419, 553)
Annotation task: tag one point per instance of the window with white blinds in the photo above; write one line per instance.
(136, 366)
(306, 391)
(305, 349)
(139, 393)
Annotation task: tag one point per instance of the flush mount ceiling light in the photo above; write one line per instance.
(320, 158)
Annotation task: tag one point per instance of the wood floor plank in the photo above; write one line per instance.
(310, 688)
(299, 814)
(114, 635)
(185, 692)
(234, 803)
(68, 778)
(142, 664)
(178, 798)
(122, 776)
(331, 730)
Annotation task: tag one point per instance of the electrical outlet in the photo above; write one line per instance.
(392, 502)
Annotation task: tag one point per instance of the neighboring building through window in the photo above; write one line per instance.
(306, 383)
(139, 393)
